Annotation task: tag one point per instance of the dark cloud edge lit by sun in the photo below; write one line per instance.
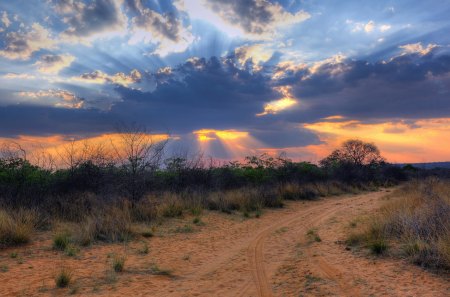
(230, 78)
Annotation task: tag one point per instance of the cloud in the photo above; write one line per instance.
(64, 98)
(18, 76)
(21, 45)
(257, 54)
(408, 86)
(87, 21)
(287, 101)
(166, 31)
(5, 20)
(384, 28)
(417, 48)
(368, 27)
(53, 64)
(120, 78)
(257, 18)
(45, 120)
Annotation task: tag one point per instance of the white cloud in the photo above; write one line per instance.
(21, 45)
(63, 98)
(384, 28)
(165, 31)
(418, 48)
(120, 78)
(257, 53)
(52, 64)
(18, 76)
(250, 19)
(5, 20)
(369, 27)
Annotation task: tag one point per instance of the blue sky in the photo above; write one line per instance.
(291, 76)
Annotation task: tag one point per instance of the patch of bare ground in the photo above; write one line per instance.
(293, 251)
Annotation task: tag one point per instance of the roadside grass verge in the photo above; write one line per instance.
(414, 223)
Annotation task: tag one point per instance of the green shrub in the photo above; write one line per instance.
(61, 240)
(378, 246)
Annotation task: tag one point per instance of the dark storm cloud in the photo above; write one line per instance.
(41, 120)
(199, 94)
(409, 85)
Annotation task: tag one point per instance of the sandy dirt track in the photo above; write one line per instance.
(231, 256)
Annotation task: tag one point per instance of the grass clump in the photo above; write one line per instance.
(312, 233)
(184, 229)
(118, 263)
(144, 249)
(61, 240)
(156, 270)
(71, 250)
(63, 278)
(17, 226)
(378, 246)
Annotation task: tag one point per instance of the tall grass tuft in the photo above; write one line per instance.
(17, 226)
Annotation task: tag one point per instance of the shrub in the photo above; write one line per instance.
(16, 227)
(171, 206)
(71, 250)
(154, 269)
(61, 240)
(63, 278)
(295, 191)
(118, 263)
(378, 246)
(144, 250)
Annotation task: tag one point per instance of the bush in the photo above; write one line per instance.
(118, 263)
(63, 278)
(16, 227)
(170, 206)
(61, 240)
(378, 246)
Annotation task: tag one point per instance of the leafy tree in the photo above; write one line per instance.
(354, 152)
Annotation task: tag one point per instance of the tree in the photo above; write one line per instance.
(355, 152)
(138, 153)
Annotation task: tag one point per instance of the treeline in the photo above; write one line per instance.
(139, 169)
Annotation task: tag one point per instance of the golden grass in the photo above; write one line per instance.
(16, 227)
(416, 220)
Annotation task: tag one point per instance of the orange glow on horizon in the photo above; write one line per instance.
(400, 142)
(55, 145)
(237, 144)
(211, 134)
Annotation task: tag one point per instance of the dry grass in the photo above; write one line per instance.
(416, 220)
(16, 227)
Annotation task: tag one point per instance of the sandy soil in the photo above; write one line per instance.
(229, 256)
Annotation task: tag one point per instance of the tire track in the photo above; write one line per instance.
(311, 219)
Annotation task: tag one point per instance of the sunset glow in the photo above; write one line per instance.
(229, 78)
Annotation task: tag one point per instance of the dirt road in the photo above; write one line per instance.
(294, 251)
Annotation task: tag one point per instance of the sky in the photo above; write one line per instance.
(230, 78)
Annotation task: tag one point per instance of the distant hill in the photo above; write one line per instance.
(431, 165)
